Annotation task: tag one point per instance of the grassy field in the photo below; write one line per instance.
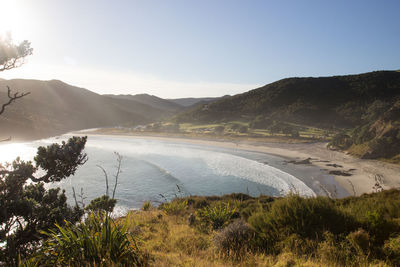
(234, 130)
(238, 230)
(235, 230)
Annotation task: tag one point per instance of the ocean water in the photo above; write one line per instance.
(156, 170)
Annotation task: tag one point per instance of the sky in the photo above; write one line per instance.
(189, 48)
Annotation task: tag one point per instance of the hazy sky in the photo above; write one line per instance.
(200, 48)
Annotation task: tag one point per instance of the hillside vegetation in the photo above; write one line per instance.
(339, 101)
(363, 108)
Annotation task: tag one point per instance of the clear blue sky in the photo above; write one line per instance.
(201, 48)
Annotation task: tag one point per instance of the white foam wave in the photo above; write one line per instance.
(223, 164)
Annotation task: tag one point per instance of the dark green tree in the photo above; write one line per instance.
(26, 206)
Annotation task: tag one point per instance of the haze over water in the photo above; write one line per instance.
(151, 168)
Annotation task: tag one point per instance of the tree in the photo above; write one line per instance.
(26, 206)
(12, 55)
(26, 209)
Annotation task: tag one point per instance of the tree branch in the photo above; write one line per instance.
(11, 98)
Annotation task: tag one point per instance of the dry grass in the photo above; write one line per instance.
(170, 241)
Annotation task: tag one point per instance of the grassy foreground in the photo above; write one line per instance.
(238, 230)
(235, 230)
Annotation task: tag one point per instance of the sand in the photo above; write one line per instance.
(363, 172)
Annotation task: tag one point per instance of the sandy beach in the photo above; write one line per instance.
(362, 173)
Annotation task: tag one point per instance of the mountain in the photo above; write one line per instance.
(191, 101)
(338, 101)
(54, 107)
(151, 100)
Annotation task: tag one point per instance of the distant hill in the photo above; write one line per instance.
(364, 107)
(338, 101)
(191, 101)
(151, 100)
(54, 107)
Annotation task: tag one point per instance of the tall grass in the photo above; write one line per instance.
(98, 241)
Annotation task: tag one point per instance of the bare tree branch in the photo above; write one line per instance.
(11, 98)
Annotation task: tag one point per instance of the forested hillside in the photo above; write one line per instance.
(338, 101)
(363, 109)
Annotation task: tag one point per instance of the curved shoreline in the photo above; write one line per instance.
(362, 173)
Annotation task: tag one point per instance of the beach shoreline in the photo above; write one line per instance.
(356, 176)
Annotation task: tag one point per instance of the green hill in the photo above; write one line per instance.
(364, 108)
(338, 101)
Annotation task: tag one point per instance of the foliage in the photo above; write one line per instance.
(306, 217)
(98, 240)
(28, 208)
(338, 101)
(147, 206)
(392, 250)
(341, 141)
(12, 55)
(103, 203)
(217, 215)
(353, 231)
(174, 207)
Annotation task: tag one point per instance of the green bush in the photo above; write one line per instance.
(360, 241)
(175, 207)
(335, 251)
(100, 204)
(297, 245)
(306, 217)
(217, 215)
(392, 250)
(98, 240)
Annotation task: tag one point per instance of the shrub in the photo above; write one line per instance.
(392, 250)
(306, 217)
(360, 241)
(147, 206)
(98, 240)
(174, 207)
(297, 245)
(340, 141)
(379, 227)
(100, 204)
(235, 239)
(333, 251)
(217, 215)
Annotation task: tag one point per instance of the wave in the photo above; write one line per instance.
(157, 153)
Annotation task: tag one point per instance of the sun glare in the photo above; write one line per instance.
(12, 19)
